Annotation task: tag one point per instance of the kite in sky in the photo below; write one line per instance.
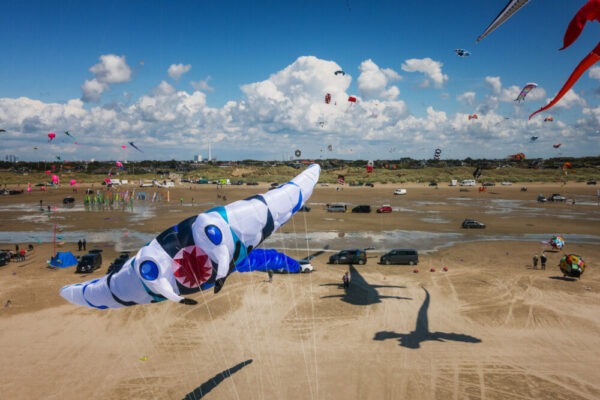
(68, 134)
(2, 130)
(509, 10)
(533, 138)
(589, 12)
(548, 119)
(526, 89)
(462, 52)
(557, 145)
(473, 116)
(135, 147)
(198, 253)
(51, 136)
(340, 72)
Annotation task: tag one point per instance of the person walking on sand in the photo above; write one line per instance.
(79, 245)
(543, 261)
(535, 261)
(270, 273)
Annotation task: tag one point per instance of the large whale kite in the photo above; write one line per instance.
(199, 252)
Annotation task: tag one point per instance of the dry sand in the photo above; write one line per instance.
(490, 327)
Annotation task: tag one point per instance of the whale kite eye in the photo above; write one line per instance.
(149, 270)
(214, 234)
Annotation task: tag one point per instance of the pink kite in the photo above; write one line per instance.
(589, 12)
(72, 182)
(119, 164)
(51, 136)
(55, 180)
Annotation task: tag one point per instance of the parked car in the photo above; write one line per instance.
(488, 184)
(89, 262)
(4, 258)
(337, 208)
(362, 209)
(399, 191)
(369, 184)
(541, 198)
(400, 256)
(591, 182)
(354, 256)
(305, 266)
(557, 197)
(472, 224)
(385, 209)
(433, 184)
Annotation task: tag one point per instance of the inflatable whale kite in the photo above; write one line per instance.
(199, 252)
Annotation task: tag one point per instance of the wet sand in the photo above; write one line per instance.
(490, 327)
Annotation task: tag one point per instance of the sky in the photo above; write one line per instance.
(248, 80)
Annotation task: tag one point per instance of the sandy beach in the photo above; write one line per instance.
(489, 327)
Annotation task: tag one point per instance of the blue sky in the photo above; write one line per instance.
(249, 77)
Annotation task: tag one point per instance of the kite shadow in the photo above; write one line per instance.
(413, 340)
(360, 292)
(212, 383)
(563, 278)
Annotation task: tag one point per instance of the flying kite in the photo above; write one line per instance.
(135, 147)
(119, 164)
(477, 173)
(298, 153)
(68, 134)
(511, 8)
(198, 253)
(462, 52)
(572, 266)
(548, 119)
(557, 242)
(533, 138)
(473, 116)
(517, 157)
(557, 145)
(327, 98)
(51, 136)
(2, 130)
(526, 89)
(437, 154)
(589, 12)
(340, 72)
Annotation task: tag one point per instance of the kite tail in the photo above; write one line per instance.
(587, 62)
(589, 12)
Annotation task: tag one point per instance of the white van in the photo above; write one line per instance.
(468, 182)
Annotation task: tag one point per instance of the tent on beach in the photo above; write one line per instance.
(63, 259)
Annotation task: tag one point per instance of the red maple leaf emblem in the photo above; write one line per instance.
(192, 267)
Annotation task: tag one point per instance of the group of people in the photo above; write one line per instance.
(81, 245)
(542, 259)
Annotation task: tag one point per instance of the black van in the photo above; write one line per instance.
(89, 262)
(400, 256)
(354, 256)
(362, 209)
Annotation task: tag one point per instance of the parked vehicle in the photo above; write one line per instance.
(337, 208)
(399, 191)
(591, 182)
(557, 197)
(541, 198)
(4, 258)
(354, 256)
(468, 182)
(90, 262)
(472, 224)
(385, 209)
(362, 209)
(433, 184)
(400, 256)
(305, 266)
(488, 184)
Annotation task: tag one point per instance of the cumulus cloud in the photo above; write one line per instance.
(176, 71)
(467, 98)
(203, 85)
(594, 72)
(495, 83)
(373, 81)
(432, 70)
(111, 69)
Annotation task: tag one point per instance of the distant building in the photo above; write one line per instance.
(198, 158)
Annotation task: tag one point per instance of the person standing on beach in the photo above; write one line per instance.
(543, 261)
(83, 243)
(270, 273)
(79, 245)
(535, 261)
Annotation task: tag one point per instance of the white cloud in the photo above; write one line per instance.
(203, 85)
(432, 69)
(468, 98)
(373, 81)
(495, 83)
(594, 72)
(111, 69)
(176, 71)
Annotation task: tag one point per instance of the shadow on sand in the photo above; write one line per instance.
(421, 333)
(563, 278)
(212, 383)
(360, 292)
